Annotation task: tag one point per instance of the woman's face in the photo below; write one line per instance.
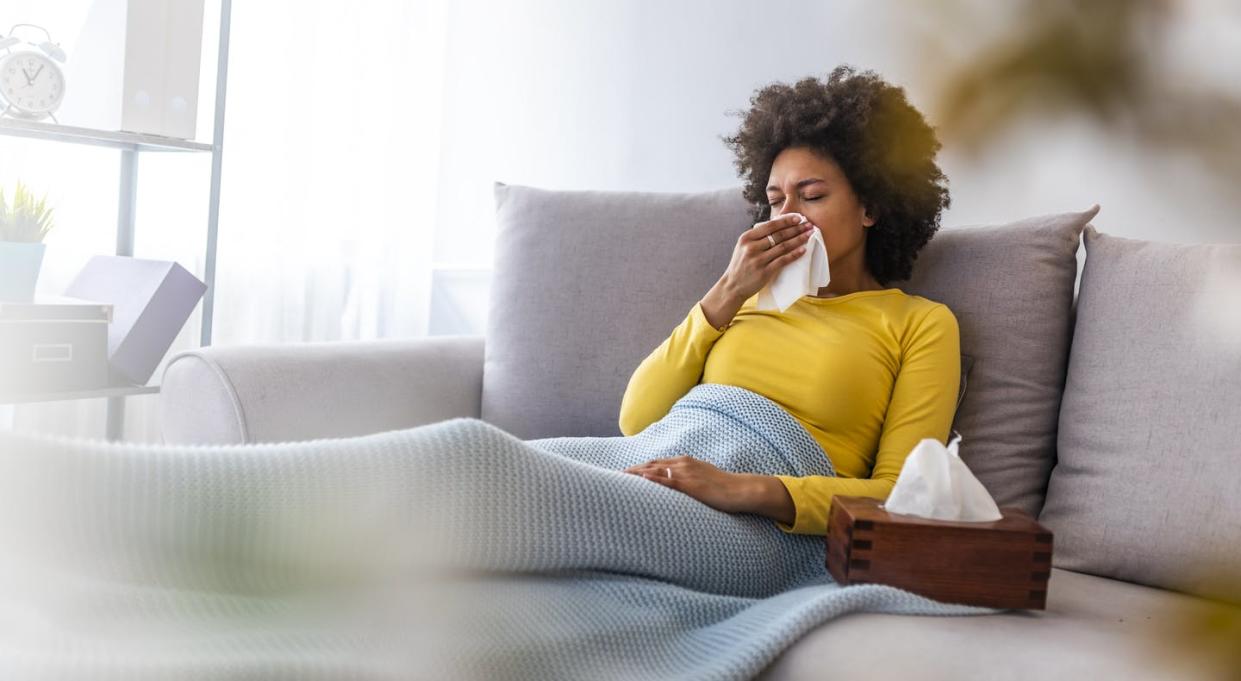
(802, 181)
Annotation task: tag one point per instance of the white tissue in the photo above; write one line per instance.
(804, 276)
(936, 483)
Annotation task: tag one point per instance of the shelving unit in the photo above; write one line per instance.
(128, 141)
(111, 392)
(130, 146)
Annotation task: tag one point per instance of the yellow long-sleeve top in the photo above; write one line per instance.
(868, 374)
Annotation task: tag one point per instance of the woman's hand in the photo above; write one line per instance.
(756, 262)
(721, 490)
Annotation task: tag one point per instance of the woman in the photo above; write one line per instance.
(869, 370)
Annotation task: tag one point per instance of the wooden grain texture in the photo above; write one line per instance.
(1000, 564)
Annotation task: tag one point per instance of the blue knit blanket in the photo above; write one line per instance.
(451, 550)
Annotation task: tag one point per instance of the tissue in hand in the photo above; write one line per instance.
(936, 483)
(804, 276)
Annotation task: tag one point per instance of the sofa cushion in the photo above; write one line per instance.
(1011, 289)
(1148, 483)
(585, 284)
(1093, 628)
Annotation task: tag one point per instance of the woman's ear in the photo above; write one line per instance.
(868, 220)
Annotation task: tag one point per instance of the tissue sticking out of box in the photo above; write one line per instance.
(936, 483)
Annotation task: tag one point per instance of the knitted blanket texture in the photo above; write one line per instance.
(452, 550)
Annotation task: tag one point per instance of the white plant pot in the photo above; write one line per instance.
(19, 270)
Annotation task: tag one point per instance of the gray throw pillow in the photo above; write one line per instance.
(967, 363)
(1011, 289)
(1148, 484)
(585, 285)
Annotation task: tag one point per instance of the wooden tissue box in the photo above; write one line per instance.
(1000, 564)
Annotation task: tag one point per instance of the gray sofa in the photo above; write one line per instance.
(1110, 414)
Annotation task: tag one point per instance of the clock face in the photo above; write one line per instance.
(31, 83)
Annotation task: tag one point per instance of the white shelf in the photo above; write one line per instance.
(112, 391)
(114, 139)
(130, 144)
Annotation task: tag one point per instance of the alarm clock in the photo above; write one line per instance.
(32, 86)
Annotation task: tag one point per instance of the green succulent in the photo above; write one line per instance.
(28, 219)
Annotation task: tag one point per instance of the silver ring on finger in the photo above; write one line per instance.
(669, 472)
(772, 240)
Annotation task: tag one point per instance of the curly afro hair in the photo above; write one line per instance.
(882, 143)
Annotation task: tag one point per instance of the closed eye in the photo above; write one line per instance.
(808, 198)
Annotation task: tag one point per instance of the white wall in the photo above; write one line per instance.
(633, 96)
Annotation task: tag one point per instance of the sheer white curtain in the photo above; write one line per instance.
(330, 182)
(332, 146)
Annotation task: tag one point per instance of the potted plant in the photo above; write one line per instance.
(23, 224)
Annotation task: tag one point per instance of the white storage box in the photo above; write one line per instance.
(151, 300)
(53, 345)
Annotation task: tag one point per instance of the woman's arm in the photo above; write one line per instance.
(767, 496)
(720, 305)
(677, 364)
(721, 490)
(923, 404)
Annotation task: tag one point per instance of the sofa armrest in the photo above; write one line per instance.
(274, 393)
